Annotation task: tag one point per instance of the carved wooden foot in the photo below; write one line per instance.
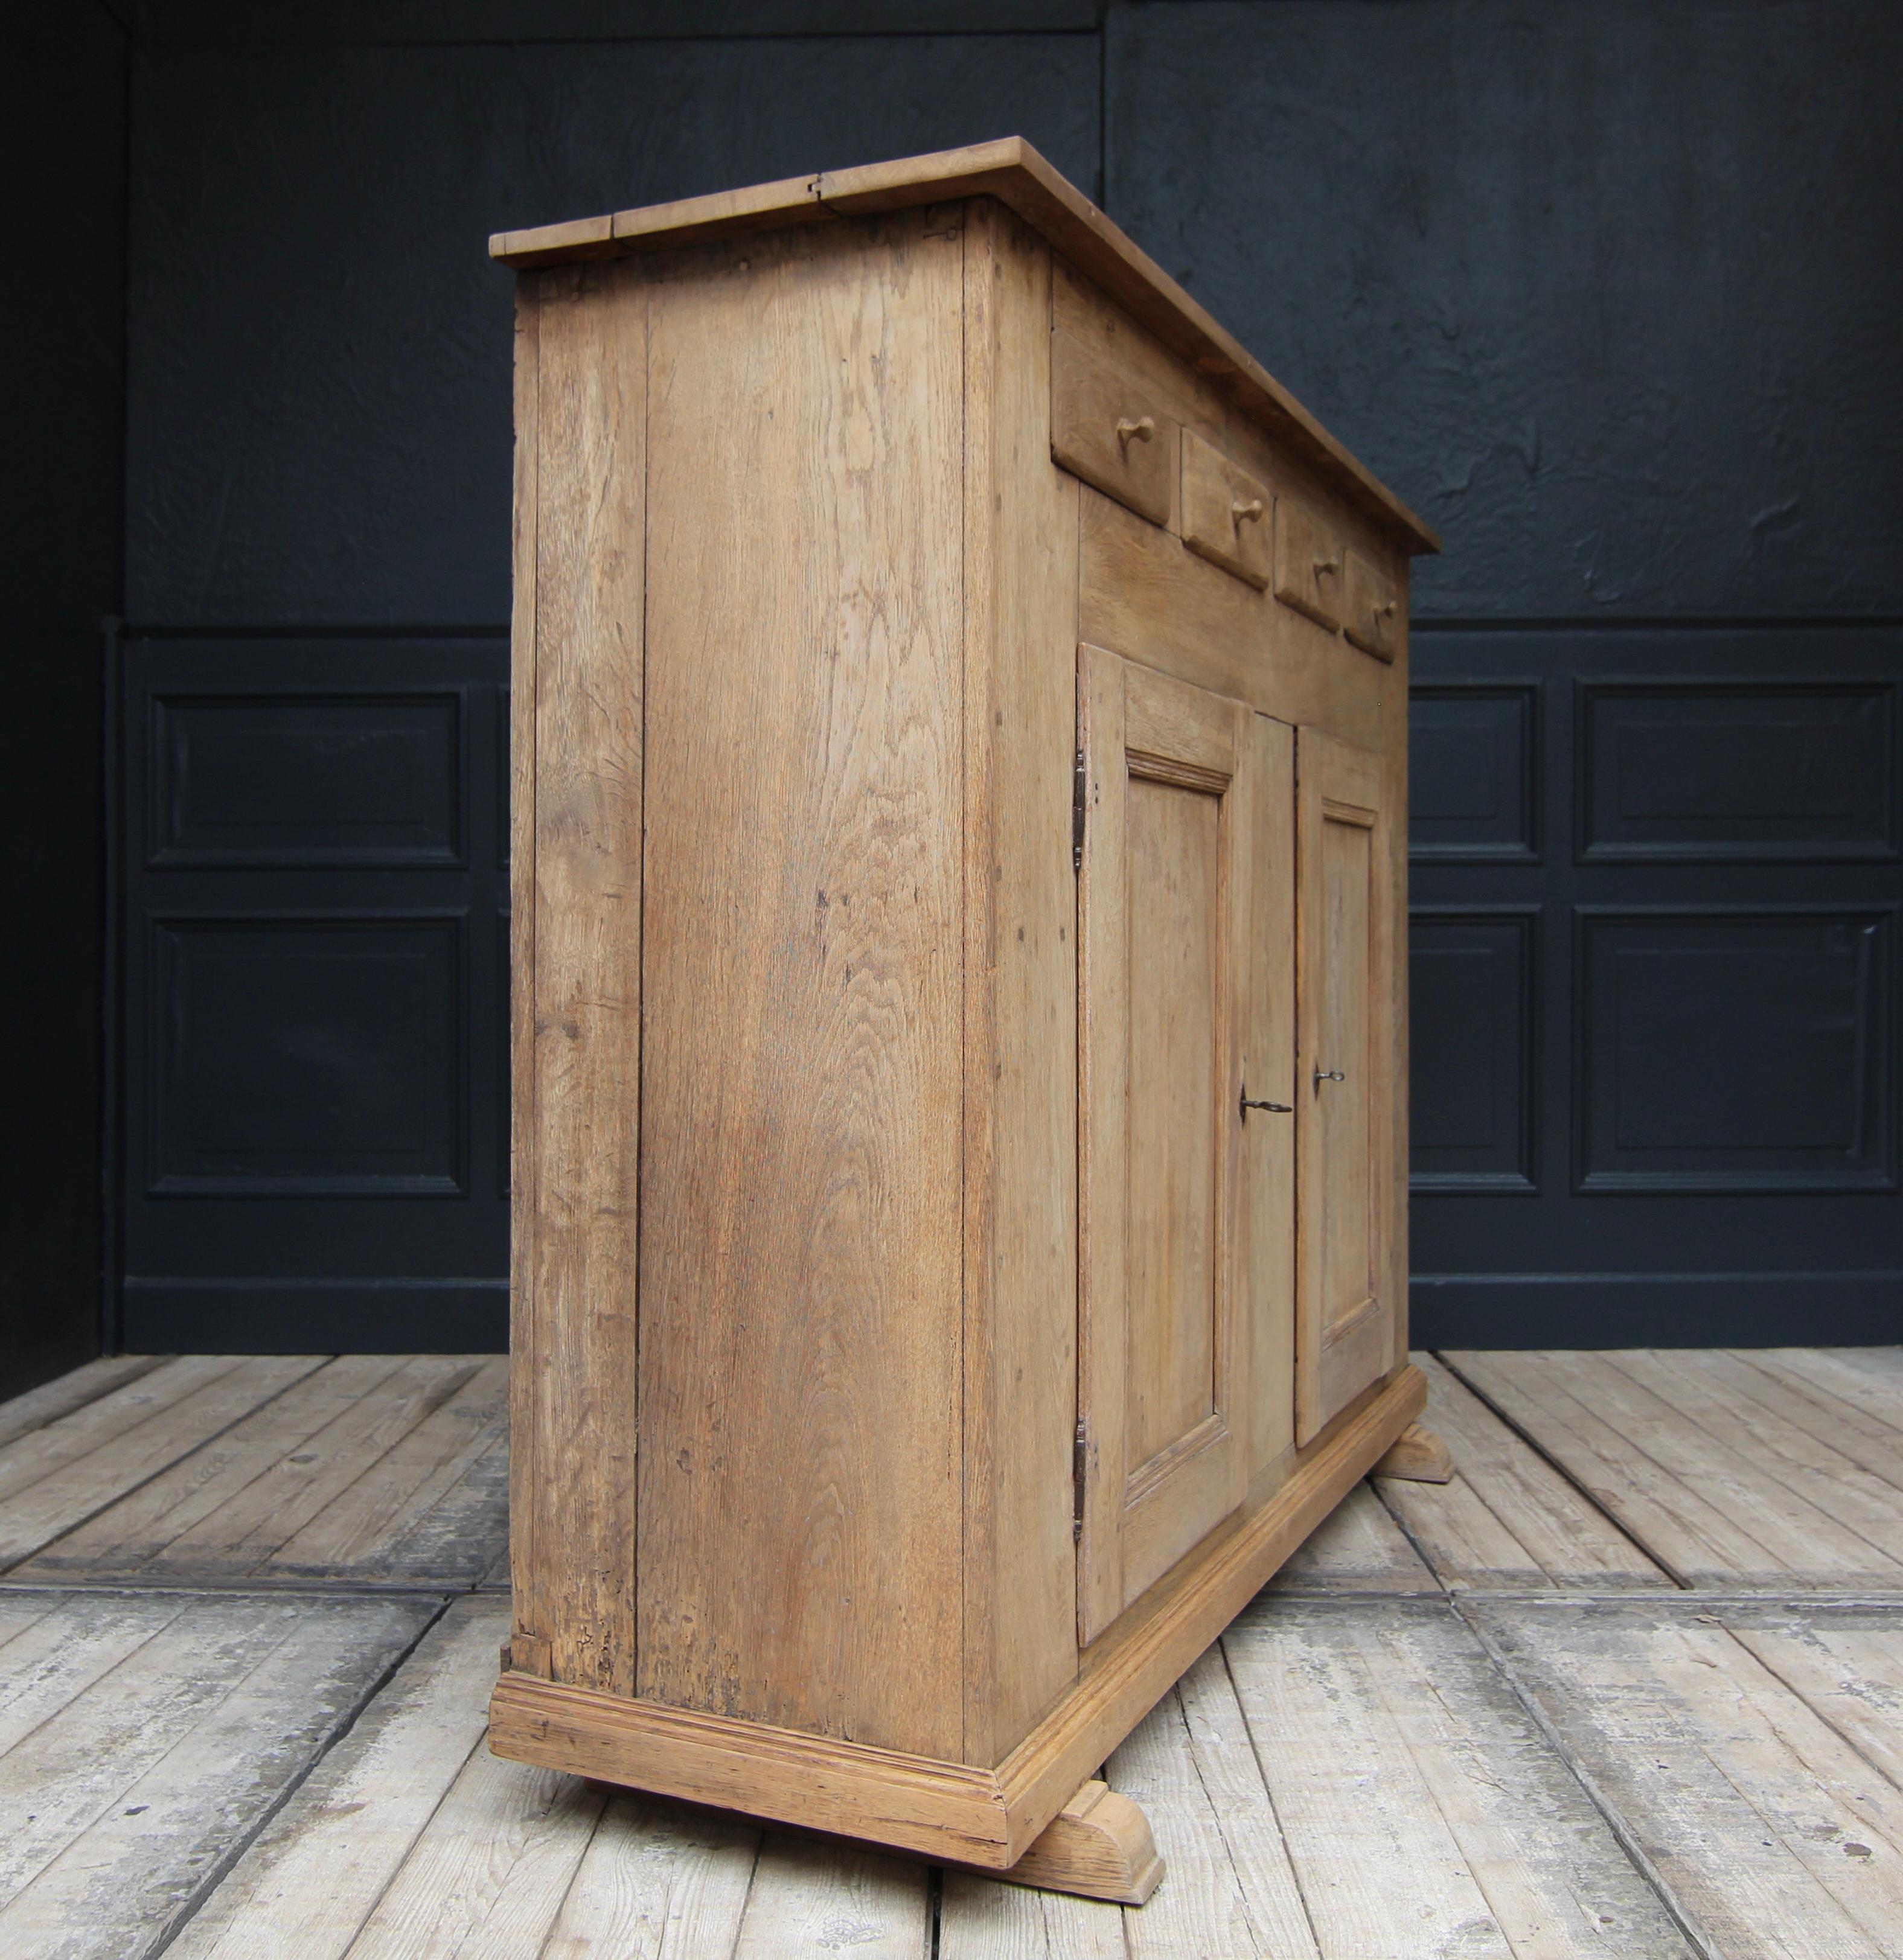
(1098, 1846)
(1419, 1455)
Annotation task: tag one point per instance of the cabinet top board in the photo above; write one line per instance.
(1010, 170)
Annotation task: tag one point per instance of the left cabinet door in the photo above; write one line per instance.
(1173, 782)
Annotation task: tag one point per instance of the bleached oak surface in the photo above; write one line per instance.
(1631, 1685)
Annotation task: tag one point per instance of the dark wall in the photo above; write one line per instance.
(1607, 289)
(62, 86)
(320, 347)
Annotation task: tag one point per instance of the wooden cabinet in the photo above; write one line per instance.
(959, 1236)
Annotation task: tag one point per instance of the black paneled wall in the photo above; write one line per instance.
(1608, 291)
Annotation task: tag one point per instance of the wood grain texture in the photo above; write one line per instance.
(1020, 1001)
(1227, 515)
(801, 1194)
(1358, 1548)
(1129, 1669)
(814, 1899)
(574, 1497)
(1708, 1504)
(1346, 1081)
(657, 1882)
(1509, 1518)
(1012, 171)
(324, 1862)
(918, 1802)
(1267, 1215)
(1773, 1833)
(1105, 429)
(20, 1414)
(1145, 595)
(1230, 1889)
(145, 1738)
(1390, 1746)
(1164, 908)
(54, 1478)
(1099, 1846)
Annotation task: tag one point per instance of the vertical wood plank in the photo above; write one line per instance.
(801, 1281)
(577, 1489)
(1103, 1005)
(1021, 1260)
(1345, 1330)
(520, 1567)
(1266, 1298)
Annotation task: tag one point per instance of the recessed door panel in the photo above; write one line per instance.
(1175, 840)
(1173, 804)
(1343, 1076)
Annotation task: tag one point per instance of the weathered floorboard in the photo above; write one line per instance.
(1359, 1548)
(1348, 1775)
(1509, 1518)
(1777, 1836)
(20, 1414)
(371, 1469)
(320, 1869)
(1424, 1812)
(167, 1728)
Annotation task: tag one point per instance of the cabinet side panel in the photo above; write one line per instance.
(574, 1495)
(1021, 1085)
(801, 1386)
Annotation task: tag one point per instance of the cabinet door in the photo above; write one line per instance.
(1173, 802)
(1344, 1078)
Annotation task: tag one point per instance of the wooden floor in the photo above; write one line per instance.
(1631, 1686)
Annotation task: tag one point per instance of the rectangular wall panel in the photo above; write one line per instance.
(318, 1054)
(1723, 1051)
(1738, 771)
(1471, 994)
(1473, 770)
(306, 778)
(1709, 1092)
(311, 1041)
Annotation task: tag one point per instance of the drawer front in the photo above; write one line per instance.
(1227, 515)
(1308, 562)
(1373, 621)
(1103, 429)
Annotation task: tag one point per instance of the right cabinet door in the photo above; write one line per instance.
(1344, 1073)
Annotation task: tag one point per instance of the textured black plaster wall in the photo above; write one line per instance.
(320, 348)
(61, 112)
(1609, 291)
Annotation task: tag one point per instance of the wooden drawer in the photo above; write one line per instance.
(1227, 515)
(1104, 429)
(1373, 621)
(1308, 562)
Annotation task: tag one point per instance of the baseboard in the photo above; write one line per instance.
(221, 1316)
(1753, 1310)
(983, 1817)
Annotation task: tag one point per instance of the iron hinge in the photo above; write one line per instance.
(1077, 795)
(1080, 1464)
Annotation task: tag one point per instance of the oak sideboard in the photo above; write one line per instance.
(960, 1042)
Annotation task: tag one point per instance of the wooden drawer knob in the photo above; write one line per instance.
(1140, 430)
(1246, 513)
